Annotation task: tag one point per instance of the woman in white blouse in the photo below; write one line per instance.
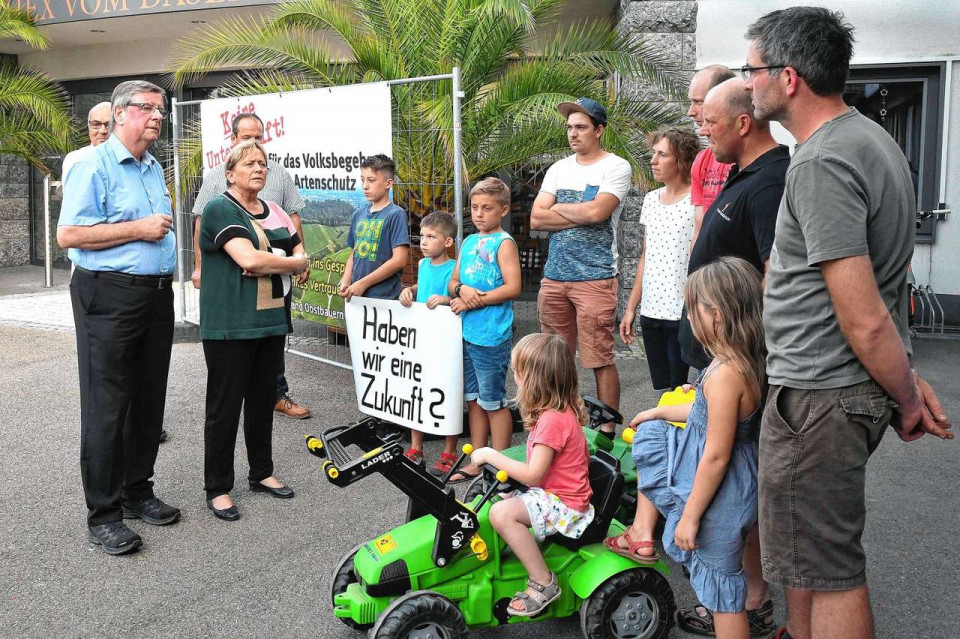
(668, 221)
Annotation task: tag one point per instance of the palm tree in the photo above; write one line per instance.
(512, 77)
(35, 116)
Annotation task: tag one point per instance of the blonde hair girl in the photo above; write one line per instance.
(556, 466)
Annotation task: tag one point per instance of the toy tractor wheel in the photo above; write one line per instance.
(420, 615)
(477, 487)
(342, 577)
(635, 604)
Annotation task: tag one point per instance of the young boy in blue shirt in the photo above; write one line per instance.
(437, 233)
(379, 238)
(484, 284)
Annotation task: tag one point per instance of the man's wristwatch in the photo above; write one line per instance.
(456, 290)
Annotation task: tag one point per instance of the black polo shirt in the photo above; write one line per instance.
(740, 223)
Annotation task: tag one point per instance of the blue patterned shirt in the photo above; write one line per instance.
(585, 252)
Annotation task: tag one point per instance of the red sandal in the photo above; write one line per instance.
(630, 552)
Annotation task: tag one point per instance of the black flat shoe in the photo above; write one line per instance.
(226, 514)
(284, 492)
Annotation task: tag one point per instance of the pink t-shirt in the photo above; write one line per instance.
(706, 179)
(568, 477)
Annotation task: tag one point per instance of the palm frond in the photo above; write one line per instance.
(20, 25)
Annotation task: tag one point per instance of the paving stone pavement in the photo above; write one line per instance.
(268, 574)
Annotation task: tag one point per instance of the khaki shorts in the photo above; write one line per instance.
(583, 313)
(814, 447)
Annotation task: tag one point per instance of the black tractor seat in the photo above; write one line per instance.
(607, 485)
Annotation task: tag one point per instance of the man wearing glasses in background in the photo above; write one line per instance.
(116, 222)
(98, 128)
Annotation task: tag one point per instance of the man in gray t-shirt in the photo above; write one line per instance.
(835, 314)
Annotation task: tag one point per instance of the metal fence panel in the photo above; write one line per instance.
(427, 152)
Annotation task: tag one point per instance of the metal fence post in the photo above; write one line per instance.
(457, 157)
(177, 218)
(47, 253)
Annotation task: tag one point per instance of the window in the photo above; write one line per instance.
(906, 102)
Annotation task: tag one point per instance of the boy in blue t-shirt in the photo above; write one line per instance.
(437, 233)
(378, 237)
(485, 282)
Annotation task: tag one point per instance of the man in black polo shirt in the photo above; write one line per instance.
(739, 223)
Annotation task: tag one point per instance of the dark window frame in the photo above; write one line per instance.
(933, 77)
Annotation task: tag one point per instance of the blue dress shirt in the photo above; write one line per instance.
(109, 185)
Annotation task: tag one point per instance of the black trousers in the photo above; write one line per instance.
(124, 338)
(240, 373)
(662, 344)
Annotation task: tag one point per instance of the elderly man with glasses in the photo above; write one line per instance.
(98, 128)
(116, 222)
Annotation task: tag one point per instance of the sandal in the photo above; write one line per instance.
(699, 621)
(534, 604)
(464, 476)
(630, 552)
(443, 465)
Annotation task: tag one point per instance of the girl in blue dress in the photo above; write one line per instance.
(703, 477)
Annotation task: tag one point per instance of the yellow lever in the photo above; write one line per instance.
(467, 449)
(502, 476)
(628, 434)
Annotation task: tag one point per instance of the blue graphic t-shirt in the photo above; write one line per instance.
(373, 236)
(433, 280)
(489, 325)
(585, 252)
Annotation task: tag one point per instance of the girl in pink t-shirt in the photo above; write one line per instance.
(557, 466)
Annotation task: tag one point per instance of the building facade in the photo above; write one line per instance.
(905, 75)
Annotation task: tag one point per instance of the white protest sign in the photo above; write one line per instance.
(407, 363)
(304, 132)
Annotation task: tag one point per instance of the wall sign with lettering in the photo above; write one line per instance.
(63, 11)
(407, 363)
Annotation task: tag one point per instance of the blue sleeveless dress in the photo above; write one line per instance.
(667, 458)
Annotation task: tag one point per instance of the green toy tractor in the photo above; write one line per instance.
(448, 570)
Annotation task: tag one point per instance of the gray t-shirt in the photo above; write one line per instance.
(279, 189)
(848, 193)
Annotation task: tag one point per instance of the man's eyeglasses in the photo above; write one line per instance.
(747, 71)
(146, 107)
(96, 125)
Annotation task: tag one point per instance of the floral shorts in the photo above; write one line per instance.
(549, 515)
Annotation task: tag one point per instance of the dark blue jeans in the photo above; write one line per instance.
(661, 342)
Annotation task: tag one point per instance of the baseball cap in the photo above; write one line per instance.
(584, 105)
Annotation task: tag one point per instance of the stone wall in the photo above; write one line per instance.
(14, 211)
(670, 26)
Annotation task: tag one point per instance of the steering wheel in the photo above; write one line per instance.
(600, 413)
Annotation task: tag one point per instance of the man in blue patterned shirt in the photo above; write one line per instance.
(116, 223)
(580, 203)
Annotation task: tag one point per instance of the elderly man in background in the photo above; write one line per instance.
(280, 190)
(98, 129)
(707, 174)
(116, 222)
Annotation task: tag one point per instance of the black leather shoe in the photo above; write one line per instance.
(115, 538)
(153, 511)
(226, 514)
(284, 492)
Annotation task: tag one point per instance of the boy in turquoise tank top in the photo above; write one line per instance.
(437, 233)
(485, 282)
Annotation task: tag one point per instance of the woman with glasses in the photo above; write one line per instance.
(668, 220)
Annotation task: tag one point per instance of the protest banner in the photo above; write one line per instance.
(307, 132)
(407, 363)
